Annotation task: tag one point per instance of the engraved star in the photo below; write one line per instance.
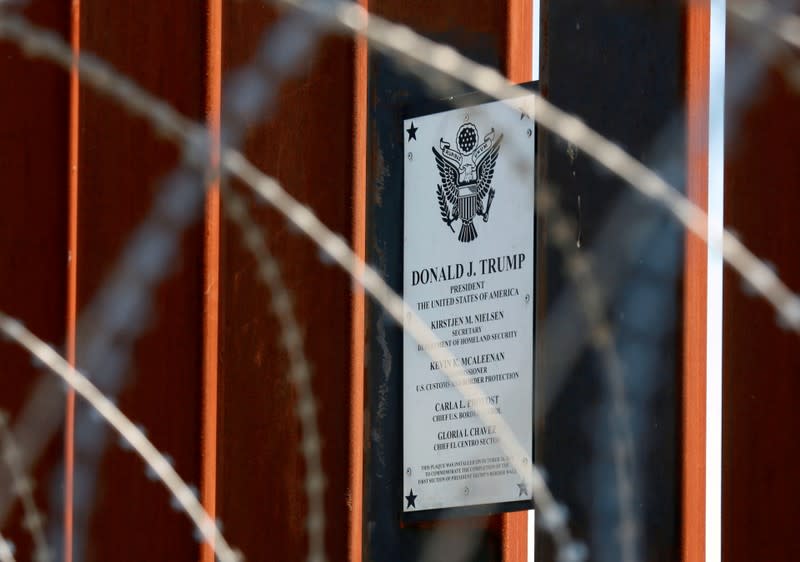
(523, 489)
(412, 132)
(411, 498)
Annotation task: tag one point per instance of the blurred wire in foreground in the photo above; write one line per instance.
(22, 486)
(765, 283)
(403, 43)
(775, 36)
(100, 75)
(579, 271)
(249, 92)
(186, 498)
(784, 26)
(552, 515)
(6, 550)
(119, 312)
(291, 338)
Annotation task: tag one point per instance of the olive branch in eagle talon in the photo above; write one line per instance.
(445, 210)
(466, 173)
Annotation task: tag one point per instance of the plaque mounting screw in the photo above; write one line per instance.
(466, 491)
(408, 471)
(529, 132)
(527, 299)
(524, 460)
(466, 117)
(410, 156)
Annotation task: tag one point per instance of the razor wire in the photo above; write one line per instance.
(117, 316)
(252, 84)
(784, 26)
(779, 36)
(249, 91)
(22, 486)
(170, 122)
(553, 515)
(579, 271)
(313, 520)
(403, 43)
(291, 339)
(6, 550)
(185, 497)
(43, 44)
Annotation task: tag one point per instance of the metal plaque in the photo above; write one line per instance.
(469, 258)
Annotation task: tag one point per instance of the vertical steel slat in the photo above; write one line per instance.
(72, 274)
(211, 265)
(695, 289)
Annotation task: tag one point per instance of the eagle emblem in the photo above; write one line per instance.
(466, 173)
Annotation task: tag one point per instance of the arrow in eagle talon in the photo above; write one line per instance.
(488, 205)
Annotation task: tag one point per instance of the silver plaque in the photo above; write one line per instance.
(469, 273)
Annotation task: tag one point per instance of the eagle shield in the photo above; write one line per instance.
(466, 173)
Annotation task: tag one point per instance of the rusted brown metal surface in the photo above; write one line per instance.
(308, 145)
(761, 361)
(162, 46)
(33, 228)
